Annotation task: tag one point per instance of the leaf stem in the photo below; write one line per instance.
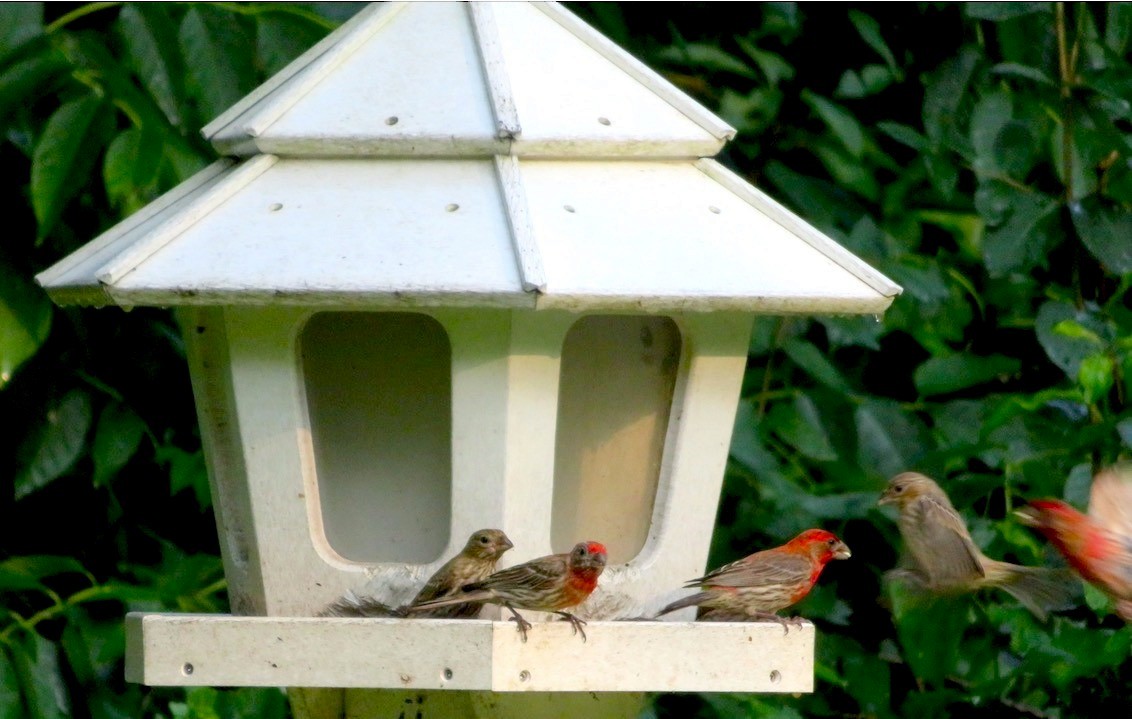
(79, 12)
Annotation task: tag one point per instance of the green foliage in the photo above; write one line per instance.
(100, 107)
(979, 155)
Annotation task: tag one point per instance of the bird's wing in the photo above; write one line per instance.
(940, 544)
(1110, 501)
(535, 575)
(767, 567)
(439, 584)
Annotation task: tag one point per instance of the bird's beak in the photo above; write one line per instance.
(841, 551)
(1027, 516)
(506, 545)
(886, 497)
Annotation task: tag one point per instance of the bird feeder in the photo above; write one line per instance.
(464, 265)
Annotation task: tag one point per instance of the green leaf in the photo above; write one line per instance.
(149, 36)
(799, 424)
(281, 38)
(943, 375)
(116, 439)
(1106, 231)
(11, 699)
(904, 135)
(1095, 375)
(23, 82)
(25, 321)
(19, 22)
(840, 122)
(1022, 241)
(56, 445)
(1117, 26)
(810, 359)
(63, 157)
(221, 70)
(45, 690)
(889, 440)
(1014, 69)
(708, 57)
(39, 566)
(997, 11)
(130, 169)
(1066, 349)
(186, 471)
(945, 92)
(869, 30)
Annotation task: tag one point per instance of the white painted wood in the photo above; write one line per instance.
(254, 112)
(417, 86)
(638, 70)
(526, 244)
(498, 85)
(221, 650)
(799, 227)
(573, 101)
(319, 232)
(672, 239)
(211, 197)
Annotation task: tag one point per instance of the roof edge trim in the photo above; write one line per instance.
(527, 254)
(495, 70)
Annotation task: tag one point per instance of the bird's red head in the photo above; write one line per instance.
(819, 544)
(1047, 513)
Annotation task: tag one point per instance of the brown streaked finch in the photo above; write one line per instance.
(944, 559)
(476, 561)
(1098, 545)
(553, 583)
(764, 583)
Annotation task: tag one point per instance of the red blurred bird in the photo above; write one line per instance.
(944, 558)
(553, 583)
(1098, 545)
(476, 561)
(762, 584)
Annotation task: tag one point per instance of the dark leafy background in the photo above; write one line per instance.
(980, 155)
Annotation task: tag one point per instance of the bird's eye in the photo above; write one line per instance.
(484, 540)
(832, 542)
(898, 488)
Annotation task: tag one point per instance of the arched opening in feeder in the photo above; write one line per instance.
(379, 398)
(617, 378)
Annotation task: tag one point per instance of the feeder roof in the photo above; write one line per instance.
(469, 154)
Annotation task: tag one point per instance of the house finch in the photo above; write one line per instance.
(476, 561)
(944, 558)
(552, 583)
(1098, 545)
(765, 582)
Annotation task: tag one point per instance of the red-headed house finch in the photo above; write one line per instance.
(553, 583)
(476, 561)
(1098, 545)
(945, 560)
(764, 583)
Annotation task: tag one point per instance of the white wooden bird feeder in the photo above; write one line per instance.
(465, 266)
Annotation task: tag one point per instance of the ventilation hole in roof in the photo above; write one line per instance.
(391, 120)
(604, 121)
(568, 208)
(714, 210)
(275, 206)
(451, 207)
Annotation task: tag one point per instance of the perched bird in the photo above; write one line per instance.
(1098, 545)
(760, 585)
(476, 561)
(945, 560)
(553, 583)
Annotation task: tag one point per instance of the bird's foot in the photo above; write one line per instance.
(574, 622)
(523, 624)
(786, 622)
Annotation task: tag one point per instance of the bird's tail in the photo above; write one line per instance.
(351, 605)
(477, 596)
(1039, 589)
(692, 600)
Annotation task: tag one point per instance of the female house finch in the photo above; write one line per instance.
(945, 559)
(552, 583)
(1098, 545)
(476, 561)
(765, 582)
